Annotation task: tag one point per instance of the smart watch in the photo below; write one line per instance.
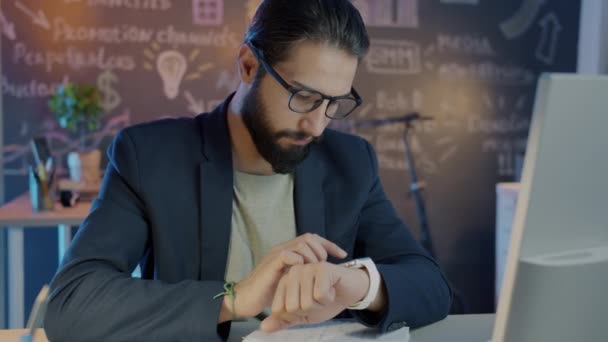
(374, 281)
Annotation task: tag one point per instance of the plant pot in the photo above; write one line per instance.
(84, 167)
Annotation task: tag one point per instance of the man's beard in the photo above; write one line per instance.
(255, 117)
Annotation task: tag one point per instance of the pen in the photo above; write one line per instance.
(40, 168)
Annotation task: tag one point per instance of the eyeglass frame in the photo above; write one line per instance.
(294, 90)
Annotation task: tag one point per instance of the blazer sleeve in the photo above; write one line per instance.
(418, 292)
(93, 296)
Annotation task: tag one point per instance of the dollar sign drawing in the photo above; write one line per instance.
(110, 98)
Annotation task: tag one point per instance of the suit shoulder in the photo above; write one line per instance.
(162, 127)
(165, 138)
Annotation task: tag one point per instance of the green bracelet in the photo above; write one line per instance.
(229, 291)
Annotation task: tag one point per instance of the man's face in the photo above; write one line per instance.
(282, 136)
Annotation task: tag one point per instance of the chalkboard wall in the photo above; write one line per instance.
(470, 64)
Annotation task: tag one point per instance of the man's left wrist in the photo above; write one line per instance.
(370, 276)
(364, 281)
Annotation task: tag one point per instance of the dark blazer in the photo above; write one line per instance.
(166, 203)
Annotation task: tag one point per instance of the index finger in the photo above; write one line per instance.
(332, 248)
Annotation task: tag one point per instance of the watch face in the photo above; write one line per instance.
(357, 263)
(350, 263)
(354, 264)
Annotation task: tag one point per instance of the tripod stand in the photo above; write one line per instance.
(416, 186)
(415, 189)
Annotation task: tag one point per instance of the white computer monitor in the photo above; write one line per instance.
(555, 286)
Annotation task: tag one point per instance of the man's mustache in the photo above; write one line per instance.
(297, 135)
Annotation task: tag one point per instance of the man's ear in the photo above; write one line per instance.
(247, 64)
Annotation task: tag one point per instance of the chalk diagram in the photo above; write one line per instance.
(172, 67)
(15, 157)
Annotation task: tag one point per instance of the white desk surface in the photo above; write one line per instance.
(455, 328)
(18, 213)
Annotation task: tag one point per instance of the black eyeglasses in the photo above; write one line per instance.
(303, 100)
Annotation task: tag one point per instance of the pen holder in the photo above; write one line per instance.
(41, 190)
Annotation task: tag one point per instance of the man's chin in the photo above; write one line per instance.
(289, 159)
(283, 169)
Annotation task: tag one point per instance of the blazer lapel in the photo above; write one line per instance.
(308, 195)
(216, 180)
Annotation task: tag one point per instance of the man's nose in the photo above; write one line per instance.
(315, 122)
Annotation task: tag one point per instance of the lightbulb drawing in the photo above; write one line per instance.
(171, 66)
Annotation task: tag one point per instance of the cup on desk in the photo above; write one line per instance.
(41, 185)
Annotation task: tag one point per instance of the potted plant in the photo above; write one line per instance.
(77, 108)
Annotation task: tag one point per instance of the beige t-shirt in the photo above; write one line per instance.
(262, 217)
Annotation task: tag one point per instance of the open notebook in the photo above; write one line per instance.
(331, 331)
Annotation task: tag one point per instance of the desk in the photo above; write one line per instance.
(457, 328)
(17, 215)
(13, 335)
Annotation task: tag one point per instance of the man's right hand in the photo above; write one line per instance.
(256, 291)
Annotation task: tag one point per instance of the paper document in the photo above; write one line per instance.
(331, 331)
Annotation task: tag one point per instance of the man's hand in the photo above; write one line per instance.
(256, 291)
(315, 293)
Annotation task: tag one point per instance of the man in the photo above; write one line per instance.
(257, 193)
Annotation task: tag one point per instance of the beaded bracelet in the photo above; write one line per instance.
(229, 291)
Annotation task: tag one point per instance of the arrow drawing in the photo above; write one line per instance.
(545, 51)
(521, 21)
(448, 153)
(194, 106)
(8, 28)
(37, 18)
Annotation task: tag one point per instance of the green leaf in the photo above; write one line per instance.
(77, 105)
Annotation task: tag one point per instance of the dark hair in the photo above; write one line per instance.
(280, 24)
